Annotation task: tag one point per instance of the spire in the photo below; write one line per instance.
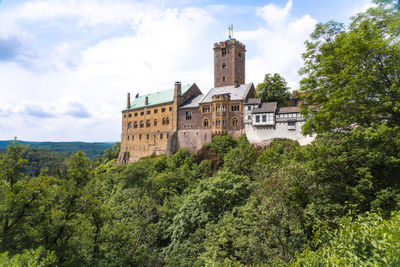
(230, 28)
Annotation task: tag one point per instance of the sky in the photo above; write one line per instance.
(67, 65)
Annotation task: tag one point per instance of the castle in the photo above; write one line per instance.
(182, 117)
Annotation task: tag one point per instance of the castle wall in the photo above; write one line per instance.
(193, 140)
(258, 134)
(144, 141)
(194, 123)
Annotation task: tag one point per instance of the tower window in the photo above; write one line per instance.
(239, 54)
(155, 122)
(205, 123)
(223, 78)
(141, 124)
(223, 65)
(155, 111)
(135, 124)
(223, 52)
(129, 115)
(130, 125)
(148, 123)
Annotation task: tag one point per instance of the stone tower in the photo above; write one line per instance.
(229, 63)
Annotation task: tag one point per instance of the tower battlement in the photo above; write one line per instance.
(224, 44)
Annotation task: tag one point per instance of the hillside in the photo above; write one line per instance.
(92, 150)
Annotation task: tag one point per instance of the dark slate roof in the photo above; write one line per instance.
(158, 97)
(192, 102)
(290, 110)
(253, 101)
(266, 107)
(237, 93)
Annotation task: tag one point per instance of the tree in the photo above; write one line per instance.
(112, 152)
(273, 89)
(367, 241)
(352, 75)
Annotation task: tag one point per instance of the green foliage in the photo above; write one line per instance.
(273, 89)
(41, 160)
(367, 241)
(240, 160)
(32, 258)
(112, 152)
(352, 74)
(205, 205)
(222, 144)
(92, 150)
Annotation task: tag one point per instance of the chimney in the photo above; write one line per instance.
(146, 100)
(128, 101)
(178, 90)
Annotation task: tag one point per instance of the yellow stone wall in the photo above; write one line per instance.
(149, 139)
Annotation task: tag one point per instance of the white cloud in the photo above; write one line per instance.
(84, 102)
(72, 86)
(280, 43)
(275, 15)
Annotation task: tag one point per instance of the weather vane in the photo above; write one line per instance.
(230, 28)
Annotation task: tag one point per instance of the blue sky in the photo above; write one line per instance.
(66, 65)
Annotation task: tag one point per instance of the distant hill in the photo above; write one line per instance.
(92, 150)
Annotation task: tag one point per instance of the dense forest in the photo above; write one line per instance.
(335, 202)
(92, 150)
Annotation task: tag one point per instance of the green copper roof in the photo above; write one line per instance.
(157, 98)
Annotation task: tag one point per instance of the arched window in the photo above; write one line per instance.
(160, 135)
(148, 123)
(223, 78)
(223, 65)
(130, 125)
(135, 124)
(205, 123)
(235, 122)
(163, 121)
(167, 121)
(141, 124)
(155, 122)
